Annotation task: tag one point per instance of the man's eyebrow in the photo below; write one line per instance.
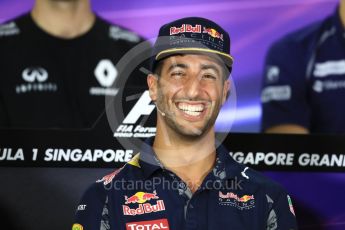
(210, 66)
(179, 65)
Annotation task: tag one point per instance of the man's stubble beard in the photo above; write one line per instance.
(179, 129)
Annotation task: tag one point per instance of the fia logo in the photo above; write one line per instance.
(106, 74)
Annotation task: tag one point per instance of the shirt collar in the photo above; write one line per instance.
(225, 166)
(232, 168)
(148, 160)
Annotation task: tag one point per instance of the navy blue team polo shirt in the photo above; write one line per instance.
(145, 195)
(304, 80)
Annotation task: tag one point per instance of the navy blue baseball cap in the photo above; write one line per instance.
(192, 35)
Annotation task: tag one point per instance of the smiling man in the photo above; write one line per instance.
(183, 178)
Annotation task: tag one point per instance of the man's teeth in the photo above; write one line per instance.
(193, 110)
(192, 113)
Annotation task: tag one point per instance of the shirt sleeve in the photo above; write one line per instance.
(281, 213)
(284, 86)
(92, 211)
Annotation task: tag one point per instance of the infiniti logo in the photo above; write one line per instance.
(33, 74)
(35, 81)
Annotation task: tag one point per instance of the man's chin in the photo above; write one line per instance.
(192, 133)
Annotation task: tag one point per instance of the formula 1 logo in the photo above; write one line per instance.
(35, 81)
(106, 74)
(142, 107)
(148, 225)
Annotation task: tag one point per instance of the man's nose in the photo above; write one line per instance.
(193, 86)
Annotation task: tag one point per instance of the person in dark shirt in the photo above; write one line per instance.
(57, 64)
(304, 80)
(183, 178)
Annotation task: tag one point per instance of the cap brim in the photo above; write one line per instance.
(228, 60)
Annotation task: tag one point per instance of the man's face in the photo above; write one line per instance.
(190, 91)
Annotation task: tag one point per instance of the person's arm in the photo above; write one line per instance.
(92, 209)
(285, 107)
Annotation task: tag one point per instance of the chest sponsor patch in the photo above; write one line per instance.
(143, 206)
(241, 202)
(148, 225)
(36, 79)
(329, 68)
(276, 93)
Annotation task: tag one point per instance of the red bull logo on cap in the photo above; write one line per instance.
(213, 33)
(185, 28)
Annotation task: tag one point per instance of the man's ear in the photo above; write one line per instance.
(152, 84)
(226, 90)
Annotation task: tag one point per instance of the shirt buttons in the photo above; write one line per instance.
(182, 185)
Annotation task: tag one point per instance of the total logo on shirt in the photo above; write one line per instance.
(148, 225)
(35, 80)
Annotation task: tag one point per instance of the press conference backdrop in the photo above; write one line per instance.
(38, 191)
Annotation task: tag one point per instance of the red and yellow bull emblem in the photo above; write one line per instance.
(213, 33)
(231, 195)
(141, 199)
(241, 202)
(77, 227)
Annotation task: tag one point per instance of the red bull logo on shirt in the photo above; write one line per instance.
(141, 198)
(185, 28)
(213, 33)
(230, 195)
(240, 202)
